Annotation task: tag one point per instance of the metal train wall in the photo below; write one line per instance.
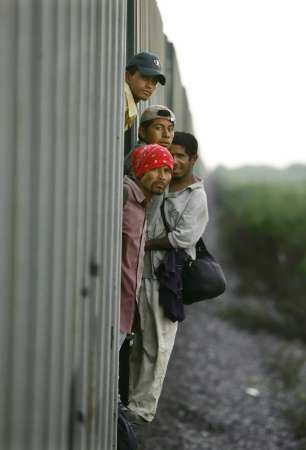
(61, 165)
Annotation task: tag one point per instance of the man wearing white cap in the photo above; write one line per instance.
(156, 127)
(185, 210)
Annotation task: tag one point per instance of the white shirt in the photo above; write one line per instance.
(186, 212)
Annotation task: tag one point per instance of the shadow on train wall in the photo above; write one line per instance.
(61, 165)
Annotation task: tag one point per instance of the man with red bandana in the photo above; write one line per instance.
(152, 166)
(185, 208)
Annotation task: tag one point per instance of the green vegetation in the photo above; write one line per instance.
(262, 215)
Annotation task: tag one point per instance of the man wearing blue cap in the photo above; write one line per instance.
(143, 72)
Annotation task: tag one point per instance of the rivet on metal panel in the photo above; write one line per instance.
(112, 337)
(80, 417)
(84, 291)
(94, 268)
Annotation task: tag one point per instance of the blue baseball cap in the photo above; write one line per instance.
(148, 64)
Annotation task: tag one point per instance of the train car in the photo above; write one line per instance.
(61, 165)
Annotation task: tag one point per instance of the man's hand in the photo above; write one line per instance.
(158, 244)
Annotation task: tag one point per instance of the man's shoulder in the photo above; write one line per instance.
(196, 189)
(194, 196)
(127, 90)
(131, 187)
(130, 107)
(129, 183)
(198, 184)
(198, 194)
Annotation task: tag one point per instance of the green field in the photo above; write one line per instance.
(262, 218)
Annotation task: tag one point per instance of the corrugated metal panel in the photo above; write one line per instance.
(60, 188)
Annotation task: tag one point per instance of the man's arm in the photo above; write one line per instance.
(192, 222)
(189, 229)
(158, 244)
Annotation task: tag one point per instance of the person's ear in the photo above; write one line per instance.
(127, 76)
(141, 133)
(194, 158)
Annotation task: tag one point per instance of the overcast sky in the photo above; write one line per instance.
(243, 63)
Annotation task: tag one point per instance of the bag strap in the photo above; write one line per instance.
(162, 210)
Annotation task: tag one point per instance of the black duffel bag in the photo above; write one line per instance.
(203, 278)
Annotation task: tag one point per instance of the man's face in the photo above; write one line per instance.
(142, 86)
(161, 132)
(183, 163)
(155, 181)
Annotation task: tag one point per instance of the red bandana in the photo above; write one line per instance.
(150, 157)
